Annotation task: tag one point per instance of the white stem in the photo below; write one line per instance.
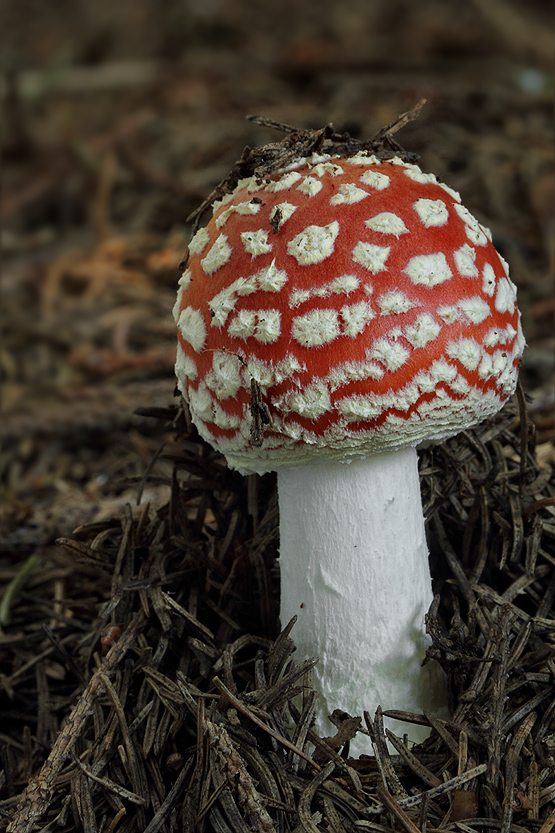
(354, 569)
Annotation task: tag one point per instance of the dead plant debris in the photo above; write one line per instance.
(265, 160)
(163, 697)
(144, 681)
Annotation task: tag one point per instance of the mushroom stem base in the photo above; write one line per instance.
(354, 570)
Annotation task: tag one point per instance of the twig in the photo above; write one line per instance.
(263, 161)
(240, 706)
(448, 786)
(400, 122)
(549, 823)
(236, 773)
(36, 798)
(393, 807)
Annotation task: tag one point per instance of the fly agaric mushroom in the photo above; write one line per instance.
(333, 316)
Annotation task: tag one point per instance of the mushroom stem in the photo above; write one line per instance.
(354, 569)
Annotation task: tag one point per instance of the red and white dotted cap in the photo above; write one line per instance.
(367, 304)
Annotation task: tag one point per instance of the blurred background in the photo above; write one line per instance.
(119, 119)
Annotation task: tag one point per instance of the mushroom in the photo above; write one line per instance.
(332, 317)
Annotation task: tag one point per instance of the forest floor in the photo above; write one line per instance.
(119, 122)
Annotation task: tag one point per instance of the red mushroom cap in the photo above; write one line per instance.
(339, 308)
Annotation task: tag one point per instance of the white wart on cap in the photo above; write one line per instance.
(367, 304)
